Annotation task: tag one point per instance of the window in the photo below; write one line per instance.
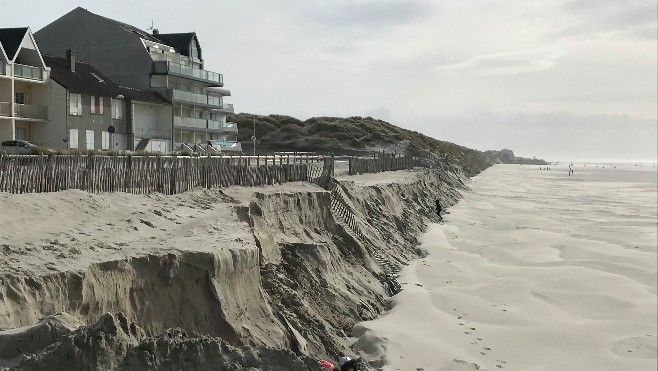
(75, 106)
(97, 105)
(195, 51)
(105, 140)
(117, 108)
(90, 139)
(19, 97)
(73, 138)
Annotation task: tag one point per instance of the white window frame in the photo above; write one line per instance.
(73, 138)
(75, 104)
(105, 140)
(93, 105)
(117, 109)
(90, 143)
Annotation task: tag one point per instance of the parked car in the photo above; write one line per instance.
(17, 147)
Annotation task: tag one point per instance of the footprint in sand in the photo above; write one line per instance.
(640, 347)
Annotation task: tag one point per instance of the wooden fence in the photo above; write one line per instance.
(376, 165)
(168, 175)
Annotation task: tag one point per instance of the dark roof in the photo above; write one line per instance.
(11, 39)
(83, 82)
(143, 34)
(179, 41)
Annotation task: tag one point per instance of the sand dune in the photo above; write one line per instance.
(533, 270)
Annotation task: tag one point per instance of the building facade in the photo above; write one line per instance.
(169, 64)
(90, 112)
(24, 88)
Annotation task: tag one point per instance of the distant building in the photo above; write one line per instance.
(88, 111)
(24, 90)
(169, 64)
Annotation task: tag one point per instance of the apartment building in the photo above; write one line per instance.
(88, 111)
(170, 64)
(24, 89)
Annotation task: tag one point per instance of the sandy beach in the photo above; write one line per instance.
(533, 270)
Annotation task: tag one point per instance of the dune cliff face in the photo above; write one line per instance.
(292, 268)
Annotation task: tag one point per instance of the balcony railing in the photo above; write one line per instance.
(151, 133)
(224, 107)
(227, 146)
(218, 92)
(5, 109)
(31, 112)
(166, 67)
(3, 68)
(190, 122)
(28, 72)
(194, 98)
(223, 126)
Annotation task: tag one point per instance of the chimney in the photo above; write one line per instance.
(156, 32)
(70, 57)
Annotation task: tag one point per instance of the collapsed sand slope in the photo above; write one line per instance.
(532, 271)
(268, 266)
(165, 261)
(116, 343)
(321, 276)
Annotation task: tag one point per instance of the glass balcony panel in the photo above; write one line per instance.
(28, 72)
(190, 122)
(187, 71)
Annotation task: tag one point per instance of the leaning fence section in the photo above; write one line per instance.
(380, 164)
(168, 175)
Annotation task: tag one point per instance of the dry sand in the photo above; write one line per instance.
(533, 270)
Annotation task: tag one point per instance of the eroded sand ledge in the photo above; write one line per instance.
(269, 267)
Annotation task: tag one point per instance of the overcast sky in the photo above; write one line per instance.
(559, 79)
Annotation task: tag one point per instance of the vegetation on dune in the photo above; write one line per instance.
(354, 136)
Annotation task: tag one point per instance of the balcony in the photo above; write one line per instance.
(150, 133)
(229, 127)
(223, 107)
(196, 99)
(28, 72)
(219, 92)
(190, 122)
(31, 112)
(175, 69)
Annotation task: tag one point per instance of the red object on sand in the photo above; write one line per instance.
(326, 364)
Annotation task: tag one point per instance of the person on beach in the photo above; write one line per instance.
(439, 210)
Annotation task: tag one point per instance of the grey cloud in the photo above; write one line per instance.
(610, 16)
(510, 63)
(371, 14)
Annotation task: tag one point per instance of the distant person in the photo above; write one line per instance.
(439, 210)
